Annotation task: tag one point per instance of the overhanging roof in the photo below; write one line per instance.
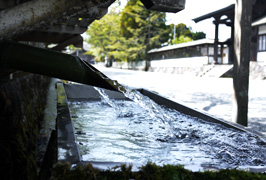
(229, 10)
(260, 21)
(182, 45)
(259, 10)
(50, 21)
(165, 5)
(60, 22)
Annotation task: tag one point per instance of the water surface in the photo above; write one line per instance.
(125, 132)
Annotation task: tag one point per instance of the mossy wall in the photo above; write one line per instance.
(22, 102)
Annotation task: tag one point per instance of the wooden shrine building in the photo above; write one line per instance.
(226, 16)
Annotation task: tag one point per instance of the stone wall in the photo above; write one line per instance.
(257, 70)
(138, 65)
(22, 102)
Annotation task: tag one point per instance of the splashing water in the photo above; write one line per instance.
(109, 101)
(135, 137)
(140, 138)
(153, 109)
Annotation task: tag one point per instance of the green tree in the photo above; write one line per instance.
(147, 28)
(102, 34)
(198, 35)
(106, 39)
(182, 29)
(129, 34)
(182, 39)
(126, 49)
(184, 34)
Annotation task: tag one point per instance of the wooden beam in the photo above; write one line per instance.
(66, 29)
(72, 21)
(165, 5)
(243, 19)
(95, 13)
(227, 22)
(42, 36)
(76, 40)
(231, 46)
(85, 22)
(216, 39)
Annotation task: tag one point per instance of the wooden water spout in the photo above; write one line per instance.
(50, 63)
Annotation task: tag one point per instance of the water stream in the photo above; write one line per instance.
(142, 131)
(152, 109)
(133, 136)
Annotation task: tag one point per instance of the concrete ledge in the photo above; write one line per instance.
(67, 148)
(81, 92)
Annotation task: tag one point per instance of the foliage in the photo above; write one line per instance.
(198, 35)
(182, 29)
(182, 39)
(150, 171)
(148, 27)
(184, 34)
(128, 35)
(126, 49)
(102, 34)
(72, 47)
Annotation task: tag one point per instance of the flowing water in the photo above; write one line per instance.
(150, 106)
(152, 109)
(122, 131)
(141, 131)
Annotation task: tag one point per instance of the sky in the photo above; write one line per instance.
(196, 8)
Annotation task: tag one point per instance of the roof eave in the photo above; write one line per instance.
(215, 13)
(259, 22)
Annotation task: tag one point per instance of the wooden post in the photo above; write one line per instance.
(216, 40)
(231, 46)
(222, 53)
(243, 18)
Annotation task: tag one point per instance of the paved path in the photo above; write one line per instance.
(210, 95)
